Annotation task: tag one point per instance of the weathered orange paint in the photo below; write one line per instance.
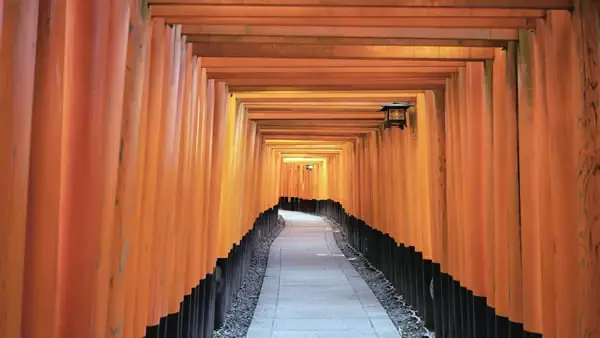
(212, 136)
(183, 207)
(90, 148)
(18, 33)
(191, 256)
(206, 113)
(41, 259)
(135, 124)
(155, 102)
(528, 154)
(216, 190)
(329, 11)
(162, 235)
(589, 248)
(437, 6)
(116, 55)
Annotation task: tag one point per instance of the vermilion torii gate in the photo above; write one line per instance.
(141, 141)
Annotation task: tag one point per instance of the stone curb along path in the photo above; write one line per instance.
(402, 315)
(239, 317)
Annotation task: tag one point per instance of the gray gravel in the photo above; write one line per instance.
(402, 315)
(240, 315)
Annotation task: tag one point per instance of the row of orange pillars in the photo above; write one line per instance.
(118, 206)
(124, 177)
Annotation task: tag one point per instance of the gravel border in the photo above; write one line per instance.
(239, 317)
(402, 315)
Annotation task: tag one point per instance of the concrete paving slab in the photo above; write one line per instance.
(311, 290)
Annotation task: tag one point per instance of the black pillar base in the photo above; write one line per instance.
(172, 325)
(453, 312)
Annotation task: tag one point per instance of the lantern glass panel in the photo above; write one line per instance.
(396, 114)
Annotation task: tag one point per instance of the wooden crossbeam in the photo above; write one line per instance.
(313, 107)
(252, 62)
(450, 22)
(332, 81)
(344, 52)
(356, 32)
(328, 40)
(320, 123)
(359, 87)
(363, 77)
(218, 72)
(286, 11)
(433, 4)
(315, 131)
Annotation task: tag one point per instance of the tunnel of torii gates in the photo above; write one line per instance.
(143, 144)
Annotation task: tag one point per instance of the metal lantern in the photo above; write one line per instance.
(396, 114)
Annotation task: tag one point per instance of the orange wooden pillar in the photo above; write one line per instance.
(589, 249)
(217, 165)
(501, 263)
(43, 209)
(115, 82)
(166, 181)
(136, 102)
(193, 262)
(155, 104)
(476, 137)
(454, 224)
(212, 145)
(203, 171)
(90, 147)
(541, 184)
(176, 259)
(488, 192)
(18, 32)
(125, 237)
(529, 188)
(567, 156)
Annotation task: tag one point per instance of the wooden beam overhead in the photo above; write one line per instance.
(320, 40)
(252, 62)
(413, 87)
(357, 32)
(433, 4)
(295, 153)
(331, 81)
(333, 112)
(310, 137)
(304, 145)
(307, 151)
(285, 11)
(311, 107)
(284, 101)
(344, 95)
(320, 123)
(315, 116)
(283, 77)
(316, 130)
(320, 70)
(272, 142)
(452, 22)
(344, 52)
(332, 122)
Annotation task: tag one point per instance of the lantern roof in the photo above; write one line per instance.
(395, 105)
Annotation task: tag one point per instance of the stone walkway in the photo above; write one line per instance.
(311, 290)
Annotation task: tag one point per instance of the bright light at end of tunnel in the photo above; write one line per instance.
(304, 159)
